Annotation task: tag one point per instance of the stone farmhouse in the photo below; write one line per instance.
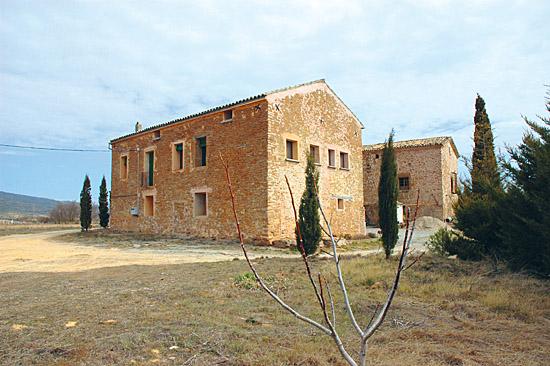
(169, 179)
(429, 165)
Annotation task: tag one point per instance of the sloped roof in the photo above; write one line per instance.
(429, 141)
(232, 104)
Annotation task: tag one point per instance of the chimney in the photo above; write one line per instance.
(138, 126)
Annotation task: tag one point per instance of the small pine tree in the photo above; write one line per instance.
(484, 171)
(387, 197)
(103, 204)
(308, 216)
(86, 205)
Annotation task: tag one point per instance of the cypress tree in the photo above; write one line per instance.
(86, 205)
(387, 197)
(476, 210)
(103, 204)
(484, 171)
(308, 216)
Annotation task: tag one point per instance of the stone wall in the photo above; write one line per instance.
(314, 117)
(429, 170)
(243, 143)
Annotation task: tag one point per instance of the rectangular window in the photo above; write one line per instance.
(149, 168)
(331, 158)
(124, 167)
(344, 160)
(314, 151)
(404, 183)
(200, 204)
(227, 115)
(200, 159)
(149, 206)
(292, 150)
(156, 135)
(340, 204)
(177, 156)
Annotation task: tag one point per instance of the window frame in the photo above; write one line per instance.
(404, 176)
(293, 150)
(176, 158)
(126, 158)
(225, 115)
(200, 155)
(146, 212)
(333, 165)
(315, 151)
(340, 202)
(195, 194)
(344, 155)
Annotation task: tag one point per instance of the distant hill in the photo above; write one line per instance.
(16, 205)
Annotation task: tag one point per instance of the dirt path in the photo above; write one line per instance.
(41, 253)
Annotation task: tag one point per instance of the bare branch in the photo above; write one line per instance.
(339, 270)
(253, 269)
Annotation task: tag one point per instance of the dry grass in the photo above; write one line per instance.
(6, 229)
(446, 313)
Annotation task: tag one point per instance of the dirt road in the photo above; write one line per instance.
(42, 253)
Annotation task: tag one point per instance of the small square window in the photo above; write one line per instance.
(291, 150)
(228, 115)
(344, 160)
(124, 167)
(340, 204)
(377, 156)
(156, 135)
(404, 183)
(314, 151)
(200, 204)
(331, 158)
(149, 206)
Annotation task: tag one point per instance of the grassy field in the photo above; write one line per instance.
(446, 313)
(33, 228)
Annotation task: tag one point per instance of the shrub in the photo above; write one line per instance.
(446, 242)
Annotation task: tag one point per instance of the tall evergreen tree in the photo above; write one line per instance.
(103, 204)
(308, 216)
(484, 170)
(477, 207)
(387, 197)
(525, 213)
(86, 205)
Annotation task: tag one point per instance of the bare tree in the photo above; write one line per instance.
(320, 285)
(65, 212)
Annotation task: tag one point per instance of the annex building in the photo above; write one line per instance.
(429, 165)
(169, 179)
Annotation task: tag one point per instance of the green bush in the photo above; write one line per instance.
(446, 242)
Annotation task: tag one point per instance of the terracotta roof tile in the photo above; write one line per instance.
(429, 141)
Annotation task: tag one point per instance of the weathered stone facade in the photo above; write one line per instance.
(252, 136)
(428, 165)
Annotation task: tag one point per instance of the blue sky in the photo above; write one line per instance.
(77, 74)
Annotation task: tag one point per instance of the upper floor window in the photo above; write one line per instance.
(149, 170)
(344, 160)
(331, 158)
(291, 150)
(177, 156)
(314, 152)
(124, 167)
(156, 135)
(404, 183)
(200, 158)
(228, 115)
